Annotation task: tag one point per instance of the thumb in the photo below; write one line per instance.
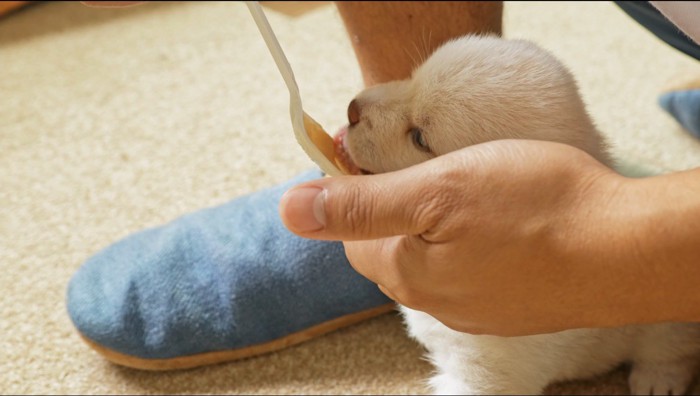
(349, 208)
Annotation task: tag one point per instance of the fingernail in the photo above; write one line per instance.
(305, 208)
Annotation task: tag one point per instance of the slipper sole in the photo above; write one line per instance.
(216, 357)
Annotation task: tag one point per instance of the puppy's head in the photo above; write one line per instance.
(471, 90)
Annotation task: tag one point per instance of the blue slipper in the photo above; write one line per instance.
(684, 106)
(220, 284)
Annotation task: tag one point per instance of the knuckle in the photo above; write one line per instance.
(441, 199)
(357, 214)
(354, 212)
(434, 207)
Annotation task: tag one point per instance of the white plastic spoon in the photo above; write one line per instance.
(317, 144)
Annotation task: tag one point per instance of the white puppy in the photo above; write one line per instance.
(473, 90)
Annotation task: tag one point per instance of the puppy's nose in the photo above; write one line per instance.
(353, 112)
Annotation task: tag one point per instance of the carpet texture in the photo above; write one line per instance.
(113, 120)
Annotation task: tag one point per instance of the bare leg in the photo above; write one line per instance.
(392, 38)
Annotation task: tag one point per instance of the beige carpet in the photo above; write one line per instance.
(116, 120)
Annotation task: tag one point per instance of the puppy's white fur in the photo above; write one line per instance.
(475, 89)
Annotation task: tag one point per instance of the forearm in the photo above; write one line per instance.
(647, 254)
(391, 38)
(669, 243)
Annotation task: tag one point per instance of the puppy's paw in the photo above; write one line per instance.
(660, 378)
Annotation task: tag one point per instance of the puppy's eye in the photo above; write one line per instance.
(419, 140)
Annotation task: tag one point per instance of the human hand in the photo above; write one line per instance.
(505, 238)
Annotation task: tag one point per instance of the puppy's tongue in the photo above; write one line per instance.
(342, 157)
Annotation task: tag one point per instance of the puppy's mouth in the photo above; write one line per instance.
(342, 155)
